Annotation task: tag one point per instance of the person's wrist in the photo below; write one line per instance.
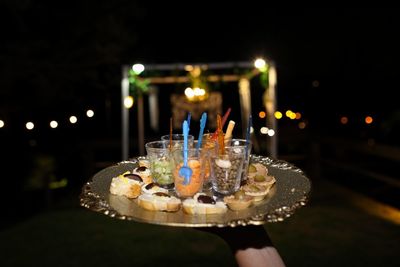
(243, 237)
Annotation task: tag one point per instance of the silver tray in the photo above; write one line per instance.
(291, 191)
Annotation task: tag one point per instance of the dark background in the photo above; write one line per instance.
(60, 58)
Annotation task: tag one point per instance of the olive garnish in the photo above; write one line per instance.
(205, 199)
(133, 177)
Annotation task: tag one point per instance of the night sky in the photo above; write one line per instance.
(59, 57)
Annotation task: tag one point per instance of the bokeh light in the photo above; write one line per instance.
(53, 124)
(90, 113)
(368, 120)
(138, 68)
(29, 125)
(128, 101)
(278, 115)
(73, 119)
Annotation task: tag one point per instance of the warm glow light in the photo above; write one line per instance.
(138, 68)
(29, 125)
(278, 115)
(261, 114)
(344, 120)
(189, 92)
(292, 116)
(53, 124)
(198, 92)
(73, 119)
(288, 113)
(189, 68)
(368, 120)
(1, 124)
(128, 101)
(298, 115)
(302, 125)
(264, 130)
(90, 113)
(260, 64)
(251, 130)
(271, 132)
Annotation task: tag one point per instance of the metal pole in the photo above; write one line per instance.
(270, 106)
(125, 113)
(140, 116)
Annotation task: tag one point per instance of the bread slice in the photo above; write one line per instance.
(193, 206)
(159, 202)
(123, 186)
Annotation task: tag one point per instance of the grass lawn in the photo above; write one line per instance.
(329, 231)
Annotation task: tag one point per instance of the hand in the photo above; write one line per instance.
(242, 237)
(251, 245)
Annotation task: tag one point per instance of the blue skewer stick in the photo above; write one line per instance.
(248, 134)
(203, 121)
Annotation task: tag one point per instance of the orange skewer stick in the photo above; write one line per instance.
(220, 135)
(224, 119)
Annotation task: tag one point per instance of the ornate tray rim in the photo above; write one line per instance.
(92, 201)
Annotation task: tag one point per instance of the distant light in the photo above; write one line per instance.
(288, 113)
(271, 132)
(315, 83)
(189, 92)
(199, 91)
(189, 68)
(292, 116)
(53, 124)
(278, 115)
(264, 130)
(1, 124)
(251, 130)
(302, 125)
(138, 68)
(73, 119)
(261, 114)
(128, 101)
(29, 125)
(344, 120)
(260, 64)
(90, 113)
(368, 120)
(298, 115)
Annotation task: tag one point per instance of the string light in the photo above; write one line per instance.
(261, 114)
(302, 125)
(264, 130)
(53, 124)
(368, 120)
(298, 115)
(289, 113)
(344, 120)
(138, 68)
(29, 125)
(128, 102)
(90, 113)
(271, 132)
(278, 115)
(260, 64)
(73, 119)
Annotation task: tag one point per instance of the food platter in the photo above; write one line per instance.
(290, 192)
